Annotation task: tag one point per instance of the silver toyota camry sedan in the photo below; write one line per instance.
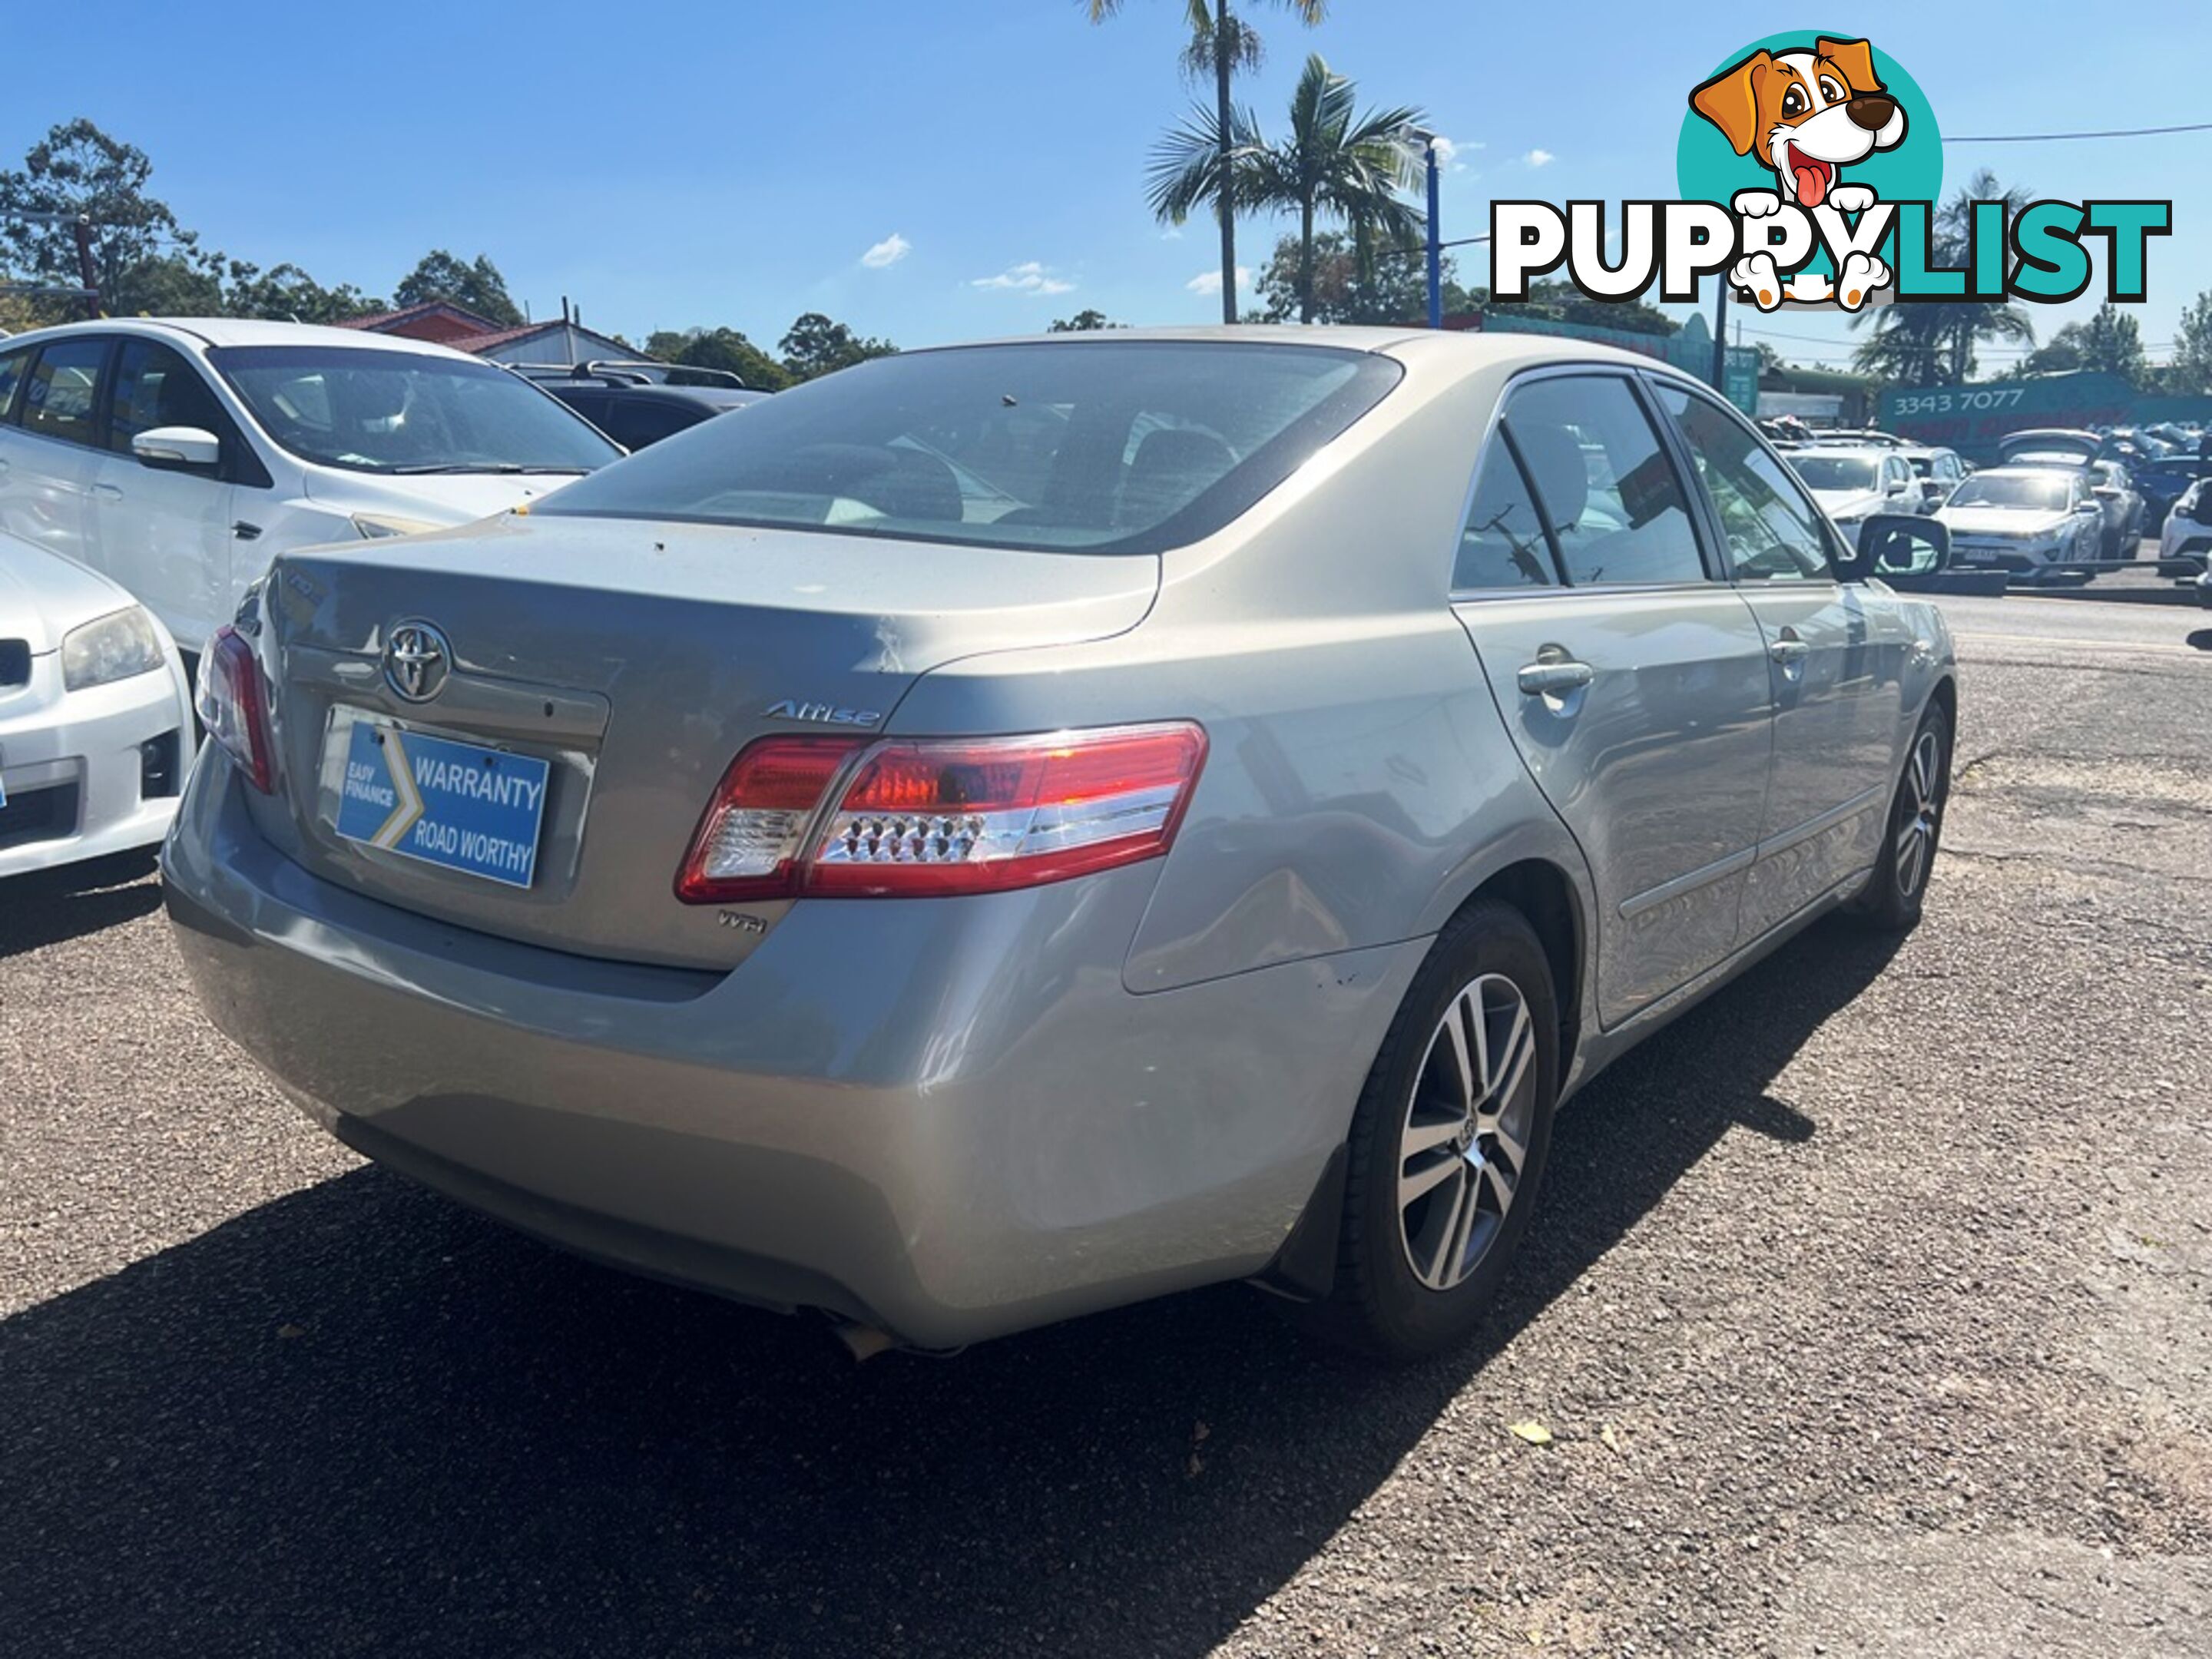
(1007, 830)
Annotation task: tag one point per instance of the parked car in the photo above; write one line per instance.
(959, 915)
(179, 457)
(2041, 523)
(2188, 533)
(1858, 438)
(2118, 504)
(635, 410)
(94, 715)
(1852, 485)
(1939, 471)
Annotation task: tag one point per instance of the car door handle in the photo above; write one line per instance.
(107, 492)
(1789, 649)
(1555, 678)
(244, 531)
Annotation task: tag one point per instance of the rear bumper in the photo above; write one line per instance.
(945, 1117)
(71, 766)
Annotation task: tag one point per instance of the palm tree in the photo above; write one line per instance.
(1934, 341)
(1222, 44)
(1335, 161)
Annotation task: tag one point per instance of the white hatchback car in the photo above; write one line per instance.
(180, 456)
(95, 721)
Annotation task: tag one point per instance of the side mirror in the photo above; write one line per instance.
(178, 449)
(1899, 544)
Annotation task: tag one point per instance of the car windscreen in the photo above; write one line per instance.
(1835, 471)
(1101, 447)
(371, 410)
(2042, 494)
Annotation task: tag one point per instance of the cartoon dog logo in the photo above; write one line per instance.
(1807, 115)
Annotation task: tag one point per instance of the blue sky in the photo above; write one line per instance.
(673, 162)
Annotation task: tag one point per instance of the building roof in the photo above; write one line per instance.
(394, 322)
(496, 336)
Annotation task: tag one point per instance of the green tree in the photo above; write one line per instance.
(285, 293)
(2191, 371)
(719, 348)
(1085, 321)
(474, 286)
(1564, 302)
(1342, 163)
(1392, 288)
(1221, 44)
(1934, 341)
(816, 346)
(2109, 342)
(143, 261)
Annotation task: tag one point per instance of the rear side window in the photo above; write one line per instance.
(1101, 447)
(1609, 495)
(12, 365)
(1504, 543)
(59, 396)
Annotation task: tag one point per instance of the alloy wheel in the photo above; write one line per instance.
(1465, 1140)
(1922, 815)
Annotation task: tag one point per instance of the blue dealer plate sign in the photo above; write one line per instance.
(450, 803)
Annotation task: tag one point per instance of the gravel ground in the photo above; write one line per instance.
(1866, 1312)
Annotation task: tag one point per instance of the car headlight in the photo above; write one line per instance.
(373, 525)
(109, 648)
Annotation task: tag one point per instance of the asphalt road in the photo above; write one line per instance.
(1867, 1311)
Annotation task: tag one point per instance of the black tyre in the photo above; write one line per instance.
(1448, 1141)
(1894, 897)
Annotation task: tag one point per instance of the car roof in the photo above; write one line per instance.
(2011, 471)
(244, 331)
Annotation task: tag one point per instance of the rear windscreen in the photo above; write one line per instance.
(1103, 447)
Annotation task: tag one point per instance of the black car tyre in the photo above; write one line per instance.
(1448, 1143)
(1893, 898)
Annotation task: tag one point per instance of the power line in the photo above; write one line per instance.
(2061, 137)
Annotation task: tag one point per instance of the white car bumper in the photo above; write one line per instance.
(91, 772)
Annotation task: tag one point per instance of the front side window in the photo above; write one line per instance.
(59, 396)
(1503, 544)
(399, 412)
(1608, 494)
(1101, 447)
(154, 386)
(1772, 530)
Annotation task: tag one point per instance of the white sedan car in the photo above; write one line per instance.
(95, 716)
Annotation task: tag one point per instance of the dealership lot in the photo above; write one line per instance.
(1865, 1311)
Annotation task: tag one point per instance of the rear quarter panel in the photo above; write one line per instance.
(1359, 783)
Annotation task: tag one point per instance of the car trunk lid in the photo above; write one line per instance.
(634, 660)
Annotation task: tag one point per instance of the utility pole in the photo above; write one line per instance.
(87, 270)
(1720, 339)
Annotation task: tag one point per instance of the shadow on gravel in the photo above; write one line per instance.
(358, 1419)
(52, 906)
(2202, 639)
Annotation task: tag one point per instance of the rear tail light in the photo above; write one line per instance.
(232, 702)
(938, 816)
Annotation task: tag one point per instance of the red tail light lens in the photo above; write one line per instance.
(940, 816)
(233, 701)
(748, 844)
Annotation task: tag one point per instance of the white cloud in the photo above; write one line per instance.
(1209, 281)
(1449, 152)
(1539, 158)
(889, 252)
(1172, 233)
(1028, 277)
